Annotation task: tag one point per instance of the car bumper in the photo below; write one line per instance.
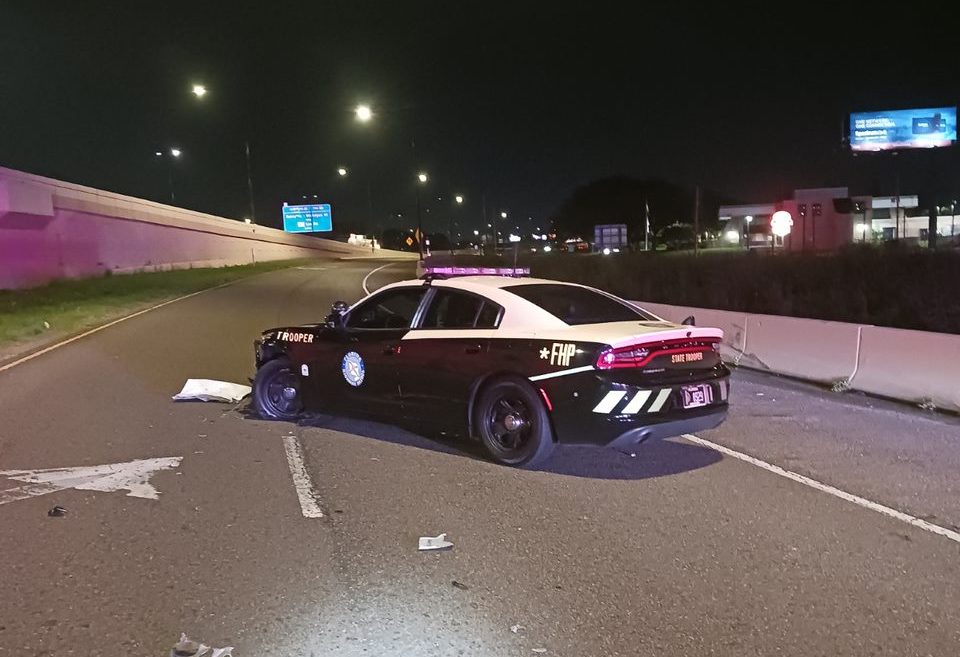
(593, 411)
(633, 437)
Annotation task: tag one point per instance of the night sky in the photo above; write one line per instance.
(518, 102)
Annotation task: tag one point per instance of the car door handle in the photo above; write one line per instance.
(473, 349)
(392, 349)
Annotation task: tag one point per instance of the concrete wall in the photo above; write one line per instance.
(51, 229)
(914, 366)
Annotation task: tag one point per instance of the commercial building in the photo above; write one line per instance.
(828, 218)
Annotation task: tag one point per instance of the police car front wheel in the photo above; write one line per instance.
(513, 423)
(276, 391)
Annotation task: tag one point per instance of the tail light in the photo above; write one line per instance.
(639, 355)
(630, 356)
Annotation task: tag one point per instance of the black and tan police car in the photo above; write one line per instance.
(519, 363)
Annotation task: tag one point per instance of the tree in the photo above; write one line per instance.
(623, 200)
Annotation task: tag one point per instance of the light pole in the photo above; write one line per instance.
(174, 154)
(199, 91)
(422, 179)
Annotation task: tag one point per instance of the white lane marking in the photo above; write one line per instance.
(609, 400)
(367, 277)
(133, 476)
(309, 501)
(659, 401)
(828, 489)
(107, 325)
(541, 377)
(637, 402)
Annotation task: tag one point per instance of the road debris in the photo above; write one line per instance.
(211, 390)
(539, 651)
(187, 647)
(516, 628)
(460, 585)
(435, 543)
(57, 512)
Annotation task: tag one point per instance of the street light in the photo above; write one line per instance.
(458, 199)
(199, 90)
(176, 152)
(342, 171)
(422, 177)
(363, 113)
(503, 215)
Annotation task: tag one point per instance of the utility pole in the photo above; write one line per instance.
(483, 221)
(253, 210)
(696, 221)
(646, 223)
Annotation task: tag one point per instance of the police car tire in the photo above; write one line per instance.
(267, 373)
(540, 444)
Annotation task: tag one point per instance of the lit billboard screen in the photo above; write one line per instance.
(913, 128)
(315, 218)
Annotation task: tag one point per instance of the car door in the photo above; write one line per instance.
(444, 354)
(358, 374)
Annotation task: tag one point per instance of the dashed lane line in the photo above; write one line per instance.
(302, 483)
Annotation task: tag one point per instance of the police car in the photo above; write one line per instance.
(519, 363)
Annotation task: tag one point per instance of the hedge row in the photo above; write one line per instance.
(888, 287)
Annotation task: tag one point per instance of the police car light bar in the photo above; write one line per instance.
(446, 272)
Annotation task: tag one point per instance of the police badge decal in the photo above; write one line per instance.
(352, 368)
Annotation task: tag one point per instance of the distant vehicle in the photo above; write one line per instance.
(517, 363)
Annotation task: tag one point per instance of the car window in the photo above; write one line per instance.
(451, 309)
(387, 310)
(578, 305)
(489, 316)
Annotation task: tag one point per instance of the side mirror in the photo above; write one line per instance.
(689, 321)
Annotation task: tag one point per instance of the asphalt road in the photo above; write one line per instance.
(677, 551)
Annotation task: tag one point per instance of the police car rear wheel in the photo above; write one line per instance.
(513, 424)
(276, 391)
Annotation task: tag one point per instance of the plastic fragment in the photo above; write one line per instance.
(435, 543)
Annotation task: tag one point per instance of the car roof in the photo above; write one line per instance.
(521, 316)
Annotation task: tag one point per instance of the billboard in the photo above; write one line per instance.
(316, 218)
(913, 128)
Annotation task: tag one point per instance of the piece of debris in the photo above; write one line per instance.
(435, 543)
(516, 628)
(460, 585)
(210, 390)
(759, 394)
(186, 647)
(539, 651)
(57, 512)
(46, 324)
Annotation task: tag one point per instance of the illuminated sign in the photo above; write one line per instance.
(307, 218)
(914, 128)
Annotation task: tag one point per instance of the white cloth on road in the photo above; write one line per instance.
(210, 390)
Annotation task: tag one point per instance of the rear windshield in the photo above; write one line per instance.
(578, 305)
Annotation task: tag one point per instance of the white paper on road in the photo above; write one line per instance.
(132, 476)
(211, 390)
(190, 648)
(435, 542)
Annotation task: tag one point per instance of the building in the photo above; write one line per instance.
(828, 218)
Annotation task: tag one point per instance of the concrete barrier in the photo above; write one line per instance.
(915, 366)
(810, 349)
(50, 229)
(733, 324)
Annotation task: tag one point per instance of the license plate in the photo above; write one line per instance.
(697, 396)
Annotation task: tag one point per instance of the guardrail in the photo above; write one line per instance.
(914, 366)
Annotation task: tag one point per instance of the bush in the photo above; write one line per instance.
(900, 288)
